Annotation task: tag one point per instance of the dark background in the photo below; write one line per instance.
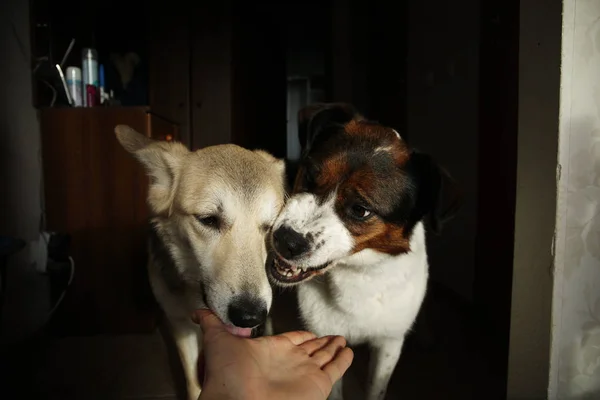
(444, 75)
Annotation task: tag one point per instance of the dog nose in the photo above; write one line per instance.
(289, 243)
(247, 312)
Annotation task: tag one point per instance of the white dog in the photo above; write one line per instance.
(210, 214)
(352, 234)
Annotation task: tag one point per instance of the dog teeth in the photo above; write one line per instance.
(289, 272)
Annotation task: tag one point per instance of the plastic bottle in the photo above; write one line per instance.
(75, 85)
(89, 65)
(102, 84)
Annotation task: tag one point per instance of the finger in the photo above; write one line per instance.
(316, 344)
(326, 353)
(298, 337)
(208, 321)
(339, 365)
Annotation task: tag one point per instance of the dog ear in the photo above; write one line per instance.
(278, 163)
(315, 118)
(162, 161)
(437, 197)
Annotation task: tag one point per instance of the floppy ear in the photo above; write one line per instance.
(162, 161)
(315, 118)
(437, 198)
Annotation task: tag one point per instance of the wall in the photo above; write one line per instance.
(442, 119)
(575, 357)
(19, 130)
(20, 202)
(539, 80)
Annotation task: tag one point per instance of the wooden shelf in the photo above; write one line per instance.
(96, 192)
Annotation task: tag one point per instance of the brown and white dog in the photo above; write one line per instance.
(352, 234)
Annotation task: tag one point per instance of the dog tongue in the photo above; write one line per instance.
(241, 332)
(234, 330)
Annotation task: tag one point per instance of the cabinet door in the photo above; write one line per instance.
(96, 192)
(212, 67)
(169, 65)
(162, 129)
(259, 86)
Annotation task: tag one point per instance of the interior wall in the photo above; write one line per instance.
(20, 149)
(26, 304)
(575, 356)
(442, 119)
(539, 80)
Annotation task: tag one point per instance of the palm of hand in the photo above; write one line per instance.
(293, 371)
(289, 365)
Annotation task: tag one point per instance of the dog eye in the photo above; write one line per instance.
(211, 221)
(359, 212)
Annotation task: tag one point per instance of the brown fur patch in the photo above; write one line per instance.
(375, 233)
(362, 181)
(298, 181)
(363, 174)
(380, 236)
(360, 128)
(386, 136)
(332, 171)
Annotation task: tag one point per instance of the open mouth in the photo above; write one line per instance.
(284, 272)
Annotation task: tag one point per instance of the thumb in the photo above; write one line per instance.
(208, 321)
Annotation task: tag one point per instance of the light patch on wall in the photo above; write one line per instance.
(575, 367)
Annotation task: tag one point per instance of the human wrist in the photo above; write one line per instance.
(207, 394)
(210, 393)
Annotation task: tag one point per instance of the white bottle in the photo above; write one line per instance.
(75, 85)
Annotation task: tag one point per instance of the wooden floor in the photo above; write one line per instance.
(451, 364)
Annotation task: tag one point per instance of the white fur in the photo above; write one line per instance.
(305, 215)
(383, 149)
(232, 262)
(368, 297)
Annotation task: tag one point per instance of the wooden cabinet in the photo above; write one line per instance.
(96, 192)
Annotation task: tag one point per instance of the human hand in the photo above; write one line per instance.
(293, 365)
